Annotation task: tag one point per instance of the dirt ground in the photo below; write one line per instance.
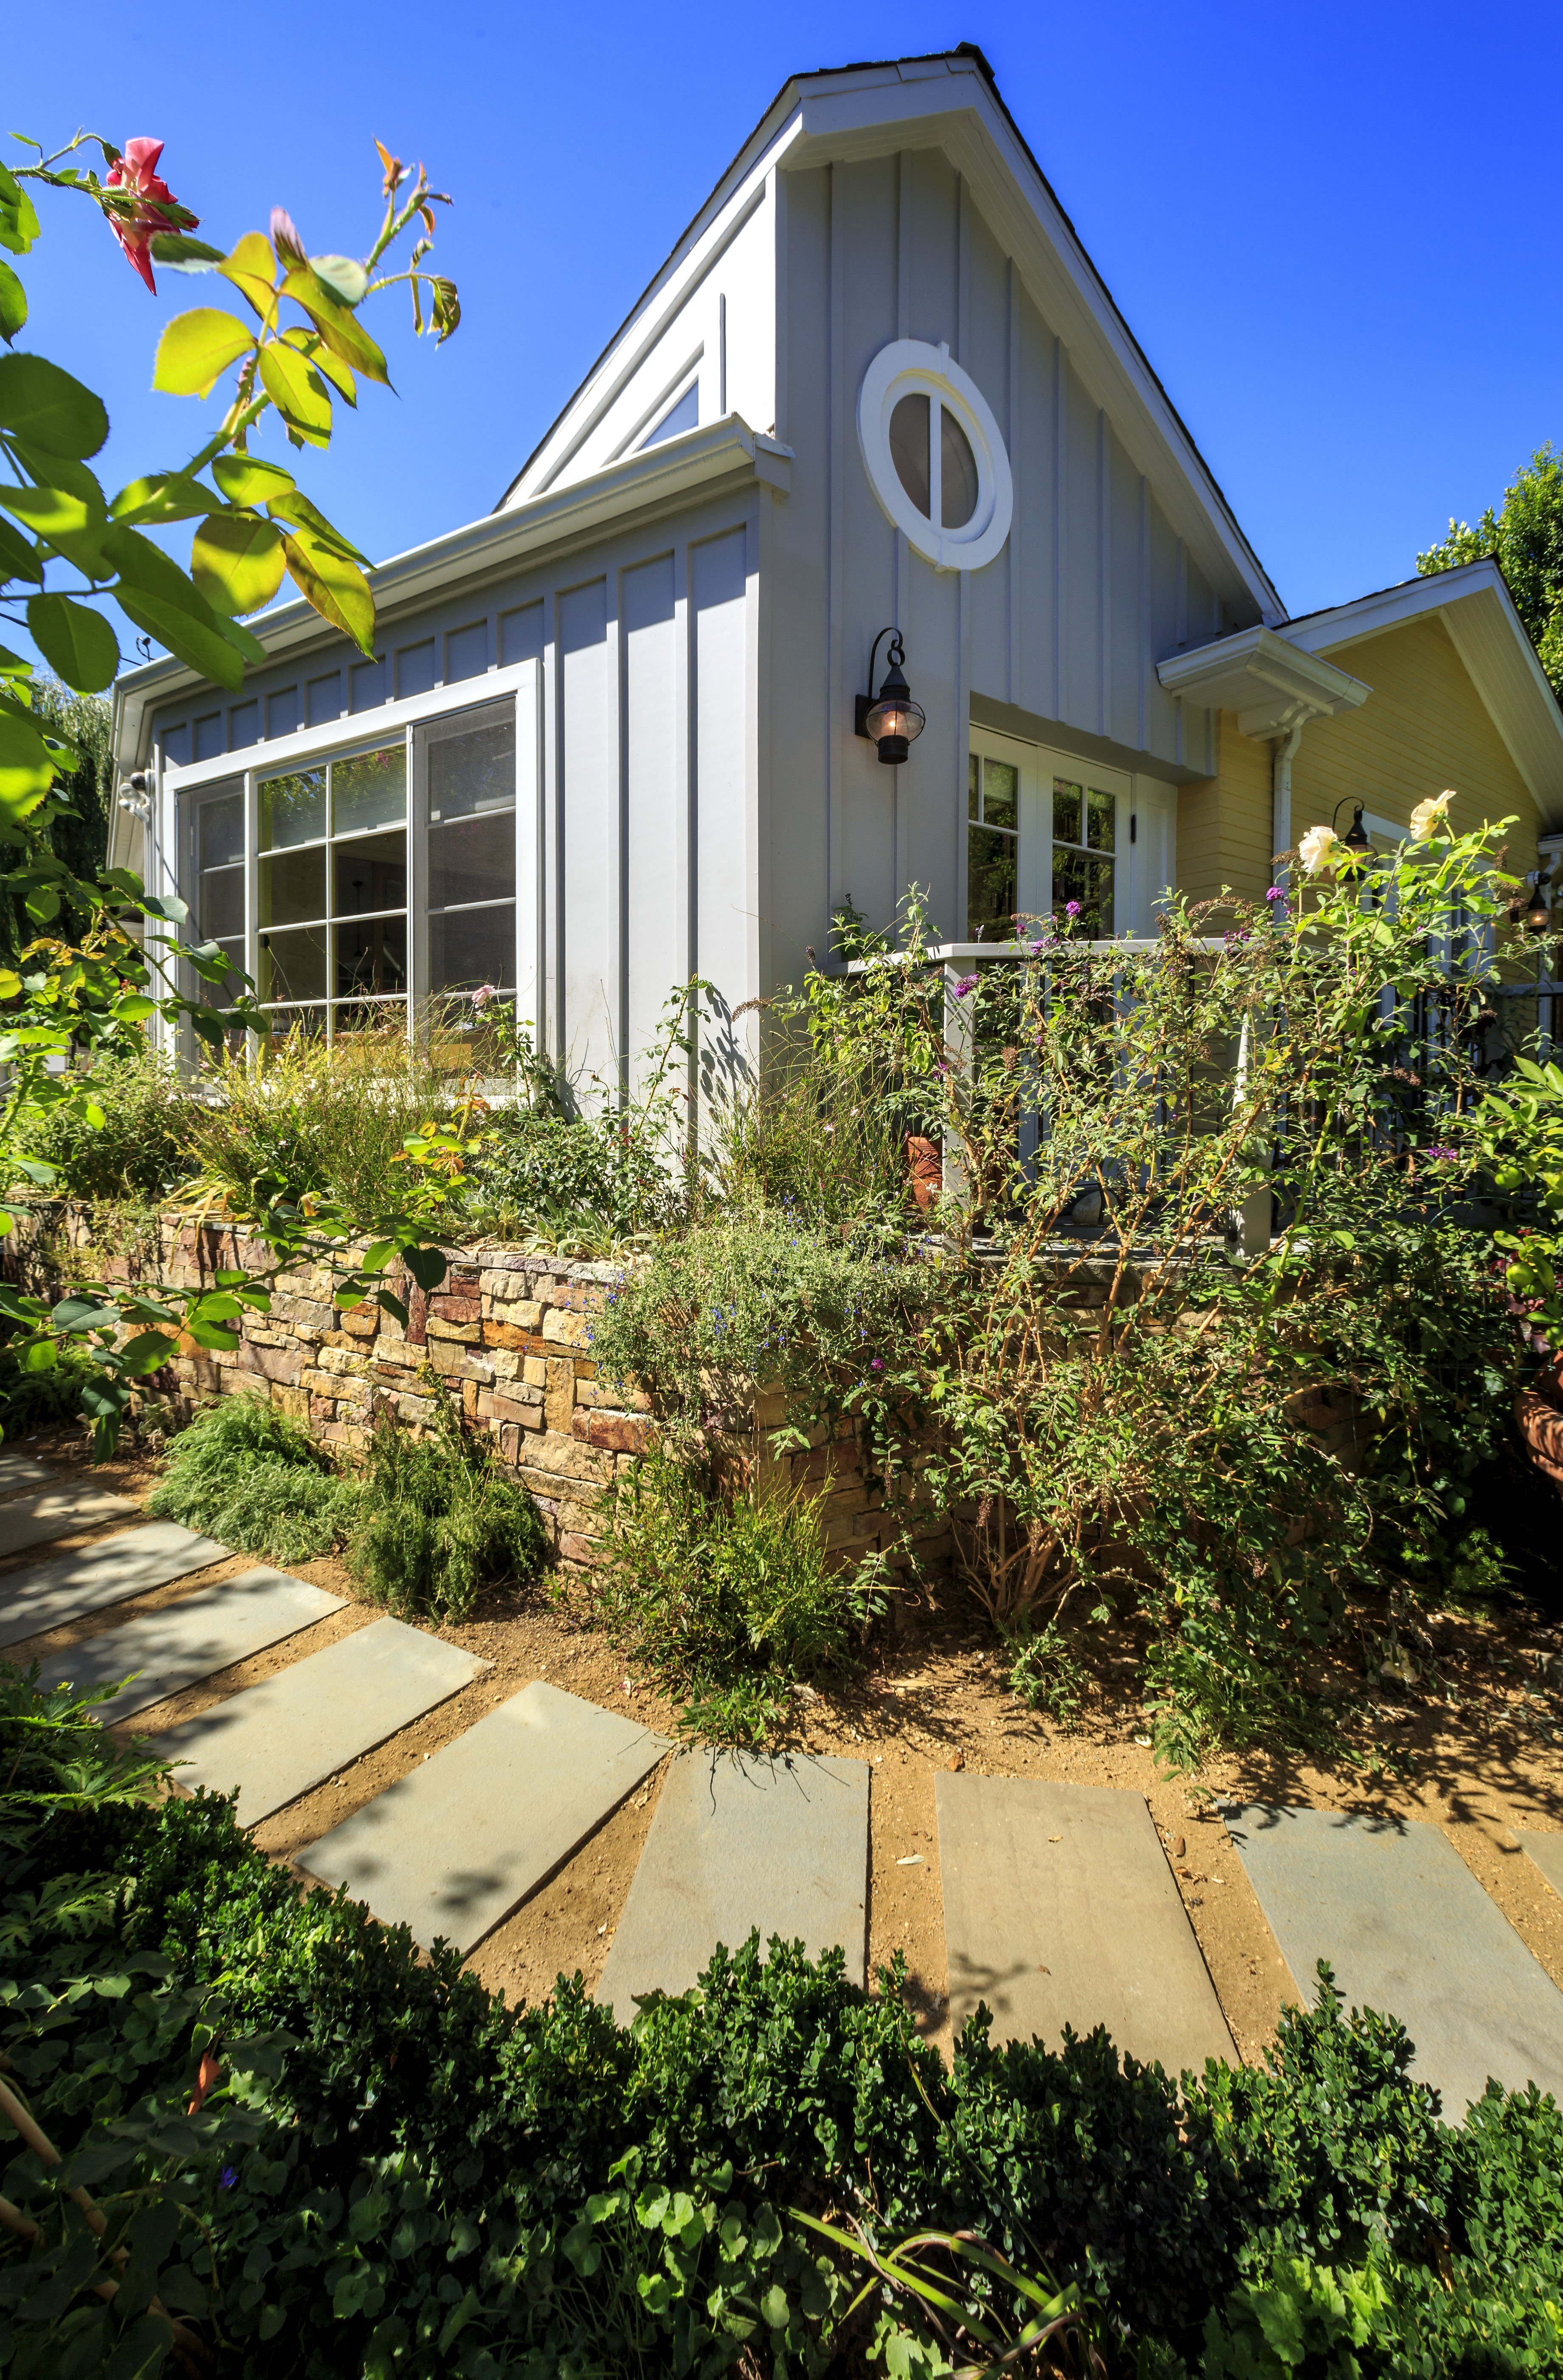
(1477, 1739)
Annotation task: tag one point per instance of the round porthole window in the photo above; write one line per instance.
(934, 455)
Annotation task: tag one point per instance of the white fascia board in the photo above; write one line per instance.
(956, 109)
(1475, 606)
(694, 465)
(1267, 680)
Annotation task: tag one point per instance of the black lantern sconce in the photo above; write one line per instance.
(1356, 836)
(1538, 916)
(892, 719)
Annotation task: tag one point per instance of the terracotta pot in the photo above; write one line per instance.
(927, 1168)
(1538, 1412)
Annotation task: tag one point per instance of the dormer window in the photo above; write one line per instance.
(933, 452)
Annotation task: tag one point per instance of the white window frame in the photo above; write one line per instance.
(1037, 766)
(363, 731)
(912, 367)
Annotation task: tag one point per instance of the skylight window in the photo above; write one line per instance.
(683, 414)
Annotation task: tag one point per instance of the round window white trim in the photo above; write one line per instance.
(909, 367)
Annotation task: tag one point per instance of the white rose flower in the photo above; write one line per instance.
(1431, 817)
(1316, 850)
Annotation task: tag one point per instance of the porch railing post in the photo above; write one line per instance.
(960, 1057)
(1255, 1213)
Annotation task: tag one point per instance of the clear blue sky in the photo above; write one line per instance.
(1332, 229)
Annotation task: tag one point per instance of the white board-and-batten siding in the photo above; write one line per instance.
(632, 669)
(1057, 639)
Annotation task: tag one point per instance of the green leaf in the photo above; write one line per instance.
(166, 496)
(27, 767)
(236, 561)
(62, 520)
(197, 349)
(297, 392)
(13, 303)
(344, 336)
(78, 645)
(427, 1266)
(300, 513)
(336, 587)
(155, 593)
(250, 267)
(246, 480)
(183, 254)
(346, 280)
(49, 409)
(19, 219)
(332, 368)
(17, 558)
(147, 1351)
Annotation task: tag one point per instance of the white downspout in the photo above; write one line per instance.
(1281, 795)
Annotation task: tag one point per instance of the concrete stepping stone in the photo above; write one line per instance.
(738, 1843)
(19, 1470)
(276, 1740)
(72, 1584)
(165, 1651)
(1059, 1909)
(58, 1512)
(1407, 1930)
(1547, 1852)
(454, 1847)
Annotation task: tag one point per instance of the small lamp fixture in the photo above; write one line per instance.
(892, 721)
(1356, 837)
(1538, 916)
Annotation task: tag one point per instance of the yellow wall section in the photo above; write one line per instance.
(1224, 821)
(1424, 726)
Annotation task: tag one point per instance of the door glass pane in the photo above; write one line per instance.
(471, 771)
(310, 1023)
(1102, 821)
(990, 884)
(909, 449)
(1001, 793)
(370, 872)
(292, 965)
(1068, 804)
(371, 955)
(368, 790)
(293, 808)
(1089, 881)
(292, 887)
(467, 947)
(472, 860)
(219, 906)
(958, 473)
(218, 995)
(386, 1019)
(973, 767)
(220, 822)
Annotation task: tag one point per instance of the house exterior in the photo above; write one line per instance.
(609, 739)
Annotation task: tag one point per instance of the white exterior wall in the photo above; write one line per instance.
(1055, 641)
(632, 668)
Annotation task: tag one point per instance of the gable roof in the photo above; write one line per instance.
(948, 99)
(1475, 606)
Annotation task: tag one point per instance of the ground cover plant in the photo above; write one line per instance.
(437, 1521)
(244, 1474)
(728, 1600)
(323, 2153)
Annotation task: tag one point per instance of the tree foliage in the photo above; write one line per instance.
(1525, 537)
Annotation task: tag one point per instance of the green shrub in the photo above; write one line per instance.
(725, 1602)
(585, 1181)
(246, 1474)
(139, 1152)
(441, 1522)
(395, 2172)
(312, 1120)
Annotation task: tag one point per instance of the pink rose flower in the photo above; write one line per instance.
(135, 170)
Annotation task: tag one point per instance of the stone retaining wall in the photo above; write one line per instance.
(508, 1335)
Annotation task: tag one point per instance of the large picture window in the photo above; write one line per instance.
(354, 887)
(332, 895)
(1044, 832)
(992, 848)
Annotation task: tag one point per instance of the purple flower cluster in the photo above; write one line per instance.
(1275, 893)
(1072, 908)
(1443, 1156)
(967, 983)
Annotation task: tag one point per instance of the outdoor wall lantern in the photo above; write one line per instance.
(1538, 916)
(893, 721)
(1356, 835)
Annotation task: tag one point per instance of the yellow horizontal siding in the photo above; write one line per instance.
(1423, 728)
